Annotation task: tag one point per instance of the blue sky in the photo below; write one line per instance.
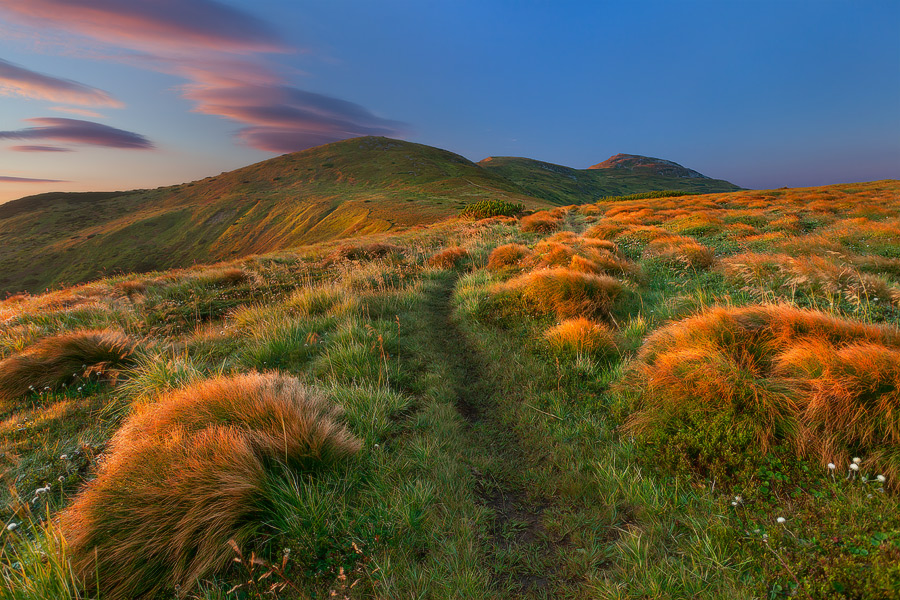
(118, 94)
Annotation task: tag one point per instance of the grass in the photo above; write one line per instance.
(569, 415)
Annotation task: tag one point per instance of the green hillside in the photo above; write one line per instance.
(339, 190)
(565, 185)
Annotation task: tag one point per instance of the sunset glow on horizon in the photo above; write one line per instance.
(105, 95)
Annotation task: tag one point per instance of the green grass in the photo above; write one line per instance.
(492, 465)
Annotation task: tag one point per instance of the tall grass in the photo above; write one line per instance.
(60, 359)
(567, 293)
(189, 473)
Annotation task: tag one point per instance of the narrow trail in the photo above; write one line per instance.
(519, 548)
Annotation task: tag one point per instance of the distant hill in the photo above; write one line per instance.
(349, 188)
(620, 175)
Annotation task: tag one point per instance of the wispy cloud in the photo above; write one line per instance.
(78, 111)
(19, 81)
(79, 132)
(40, 149)
(153, 24)
(4, 179)
(219, 51)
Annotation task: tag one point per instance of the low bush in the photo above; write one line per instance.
(191, 472)
(368, 251)
(484, 209)
(679, 252)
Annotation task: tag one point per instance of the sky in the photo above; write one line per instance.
(123, 94)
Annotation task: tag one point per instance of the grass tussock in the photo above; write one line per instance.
(191, 472)
(60, 359)
(581, 337)
(540, 222)
(448, 257)
(368, 251)
(567, 293)
(508, 256)
(824, 386)
(679, 251)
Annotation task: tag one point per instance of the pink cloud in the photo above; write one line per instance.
(40, 149)
(153, 23)
(79, 132)
(78, 111)
(4, 179)
(19, 81)
(217, 49)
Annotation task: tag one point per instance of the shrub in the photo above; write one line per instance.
(60, 359)
(448, 257)
(484, 209)
(568, 293)
(223, 276)
(191, 472)
(508, 255)
(580, 336)
(539, 222)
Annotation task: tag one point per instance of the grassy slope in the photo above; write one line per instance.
(340, 190)
(492, 467)
(564, 185)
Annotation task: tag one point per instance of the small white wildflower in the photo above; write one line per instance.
(854, 467)
(831, 466)
(869, 496)
(11, 526)
(63, 457)
(60, 478)
(734, 503)
(738, 499)
(779, 520)
(46, 388)
(880, 478)
(865, 479)
(856, 460)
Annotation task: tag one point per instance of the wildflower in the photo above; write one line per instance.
(60, 478)
(63, 457)
(12, 526)
(854, 466)
(831, 466)
(780, 520)
(856, 460)
(880, 478)
(734, 503)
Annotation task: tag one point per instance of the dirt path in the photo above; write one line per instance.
(520, 549)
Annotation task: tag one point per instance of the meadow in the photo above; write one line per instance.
(646, 397)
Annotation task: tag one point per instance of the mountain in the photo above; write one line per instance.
(348, 188)
(620, 175)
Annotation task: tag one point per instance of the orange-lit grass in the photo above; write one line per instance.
(679, 251)
(189, 473)
(540, 222)
(508, 255)
(59, 359)
(580, 336)
(448, 257)
(823, 385)
(567, 293)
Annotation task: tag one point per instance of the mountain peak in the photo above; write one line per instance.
(647, 164)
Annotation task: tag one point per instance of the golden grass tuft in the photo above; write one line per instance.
(579, 337)
(540, 222)
(567, 293)
(508, 255)
(678, 251)
(448, 257)
(826, 386)
(367, 251)
(60, 359)
(188, 474)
